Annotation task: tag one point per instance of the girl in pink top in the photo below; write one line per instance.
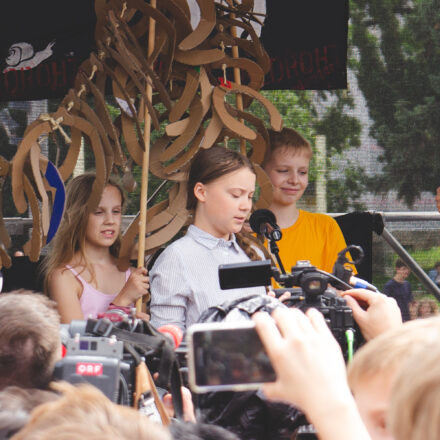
(81, 271)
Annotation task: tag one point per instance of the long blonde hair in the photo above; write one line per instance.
(71, 235)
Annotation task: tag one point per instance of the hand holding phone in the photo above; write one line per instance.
(227, 357)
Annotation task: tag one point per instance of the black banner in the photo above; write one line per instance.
(42, 45)
(307, 43)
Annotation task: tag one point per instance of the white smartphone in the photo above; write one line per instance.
(226, 356)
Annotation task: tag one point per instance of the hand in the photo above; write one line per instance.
(305, 356)
(143, 316)
(283, 297)
(188, 407)
(136, 286)
(437, 199)
(381, 314)
(310, 372)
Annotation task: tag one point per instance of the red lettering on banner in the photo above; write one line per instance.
(306, 62)
(41, 75)
(305, 69)
(59, 75)
(89, 369)
(8, 86)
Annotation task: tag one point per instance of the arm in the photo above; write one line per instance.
(65, 289)
(374, 312)
(136, 286)
(169, 290)
(310, 372)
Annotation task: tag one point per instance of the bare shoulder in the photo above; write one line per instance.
(62, 280)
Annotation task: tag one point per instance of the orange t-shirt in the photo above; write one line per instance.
(314, 237)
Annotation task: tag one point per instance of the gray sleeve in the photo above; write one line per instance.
(169, 290)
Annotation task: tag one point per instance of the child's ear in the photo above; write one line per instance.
(200, 191)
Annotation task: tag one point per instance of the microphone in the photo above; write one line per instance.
(173, 333)
(264, 222)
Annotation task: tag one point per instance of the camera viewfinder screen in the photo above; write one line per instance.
(229, 357)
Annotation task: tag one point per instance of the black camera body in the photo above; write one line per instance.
(308, 286)
(313, 292)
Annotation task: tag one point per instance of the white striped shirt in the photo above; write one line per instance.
(184, 279)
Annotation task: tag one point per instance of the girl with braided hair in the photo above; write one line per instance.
(184, 279)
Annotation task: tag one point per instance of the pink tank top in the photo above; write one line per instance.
(92, 300)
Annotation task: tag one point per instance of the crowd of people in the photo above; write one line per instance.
(82, 280)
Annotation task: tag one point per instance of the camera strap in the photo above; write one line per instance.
(149, 346)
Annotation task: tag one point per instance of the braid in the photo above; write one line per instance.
(248, 243)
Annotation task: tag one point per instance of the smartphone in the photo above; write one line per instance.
(227, 356)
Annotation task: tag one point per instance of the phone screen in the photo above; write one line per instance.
(227, 356)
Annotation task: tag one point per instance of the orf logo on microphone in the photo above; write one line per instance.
(89, 369)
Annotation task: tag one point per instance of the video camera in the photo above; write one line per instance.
(308, 286)
(117, 357)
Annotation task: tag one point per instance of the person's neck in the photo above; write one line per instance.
(97, 254)
(286, 215)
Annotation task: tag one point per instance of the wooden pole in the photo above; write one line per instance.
(145, 160)
(237, 80)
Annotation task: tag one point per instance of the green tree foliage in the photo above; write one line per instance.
(397, 66)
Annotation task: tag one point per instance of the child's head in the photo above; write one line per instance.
(415, 406)
(373, 370)
(426, 308)
(77, 216)
(221, 184)
(72, 233)
(437, 266)
(287, 165)
(402, 270)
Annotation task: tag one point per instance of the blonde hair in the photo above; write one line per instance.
(84, 412)
(433, 308)
(71, 235)
(386, 352)
(415, 406)
(287, 138)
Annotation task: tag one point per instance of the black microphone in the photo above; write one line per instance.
(264, 222)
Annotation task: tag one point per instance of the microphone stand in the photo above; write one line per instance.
(274, 249)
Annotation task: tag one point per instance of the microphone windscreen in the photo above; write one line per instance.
(259, 217)
(174, 332)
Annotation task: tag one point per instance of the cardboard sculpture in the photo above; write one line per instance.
(180, 80)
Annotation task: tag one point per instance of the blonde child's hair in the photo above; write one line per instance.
(71, 235)
(385, 353)
(287, 138)
(84, 412)
(415, 405)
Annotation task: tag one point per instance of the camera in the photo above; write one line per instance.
(308, 287)
(117, 357)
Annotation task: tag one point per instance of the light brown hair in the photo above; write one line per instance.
(287, 138)
(211, 164)
(386, 352)
(84, 412)
(29, 339)
(415, 406)
(71, 235)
